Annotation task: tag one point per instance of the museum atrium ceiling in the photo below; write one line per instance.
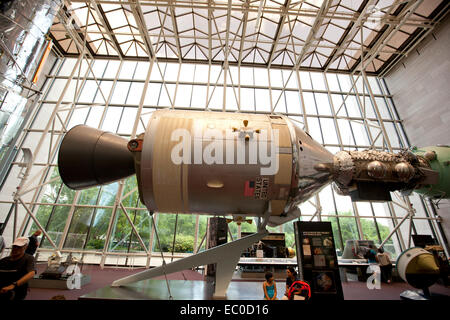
(309, 34)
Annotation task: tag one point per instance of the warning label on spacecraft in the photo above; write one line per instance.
(261, 188)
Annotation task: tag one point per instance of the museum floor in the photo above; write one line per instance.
(353, 290)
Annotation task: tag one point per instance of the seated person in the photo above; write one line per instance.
(291, 278)
(15, 271)
(269, 287)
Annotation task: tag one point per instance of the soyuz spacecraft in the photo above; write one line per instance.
(241, 165)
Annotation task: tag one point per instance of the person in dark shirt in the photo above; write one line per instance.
(371, 254)
(291, 277)
(15, 271)
(33, 243)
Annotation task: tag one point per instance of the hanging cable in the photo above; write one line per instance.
(174, 237)
(162, 257)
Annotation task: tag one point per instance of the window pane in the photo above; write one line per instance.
(333, 83)
(392, 135)
(81, 220)
(349, 230)
(232, 98)
(351, 104)
(166, 95)
(142, 222)
(310, 104)
(369, 230)
(336, 235)
(112, 119)
(261, 77)
(103, 92)
(42, 215)
(247, 99)
(262, 100)
(56, 225)
(135, 94)
(120, 239)
(329, 131)
(344, 82)
(78, 117)
(318, 82)
(360, 133)
(289, 79)
(111, 69)
(142, 70)
(108, 194)
(305, 80)
(368, 107)
(187, 72)
(90, 88)
(120, 92)
(185, 233)
(216, 98)
(279, 101)
(314, 129)
(382, 107)
(67, 67)
(88, 196)
(97, 233)
(183, 98)
(127, 121)
(323, 104)
(276, 79)
(346, 133)
(198, 97)
(166, 226)
(374, 85)
(293, 102)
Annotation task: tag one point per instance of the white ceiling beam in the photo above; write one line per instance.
(105, 24)
(313, 31)
(345, 43)
(175, 29)
(403, 16)
(279, 31)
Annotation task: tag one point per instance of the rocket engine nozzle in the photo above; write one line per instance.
(89, 157)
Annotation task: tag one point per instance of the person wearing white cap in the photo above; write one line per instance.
(15, 271)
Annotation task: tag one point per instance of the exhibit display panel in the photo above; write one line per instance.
(317, 260)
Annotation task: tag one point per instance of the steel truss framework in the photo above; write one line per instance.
(342, 111)
(317, 35)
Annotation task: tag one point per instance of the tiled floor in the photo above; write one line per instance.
(190, 285)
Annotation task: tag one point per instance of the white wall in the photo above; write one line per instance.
(420, 85)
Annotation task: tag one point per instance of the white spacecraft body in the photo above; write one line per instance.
(215, 163)
(228, 164)
(239, 164)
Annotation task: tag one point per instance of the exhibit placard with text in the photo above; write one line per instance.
(317, 259)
